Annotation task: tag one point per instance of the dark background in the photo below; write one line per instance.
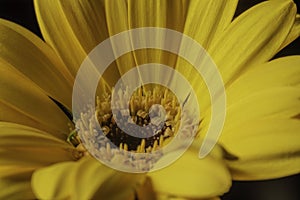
(288, 188)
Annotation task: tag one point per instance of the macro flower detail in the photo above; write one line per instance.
(42, 156)
(143, 112)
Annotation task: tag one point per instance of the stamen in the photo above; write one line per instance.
(73, 138)
(160, 133)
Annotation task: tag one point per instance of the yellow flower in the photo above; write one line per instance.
(263, 106)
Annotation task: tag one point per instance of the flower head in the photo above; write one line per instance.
(43, 157)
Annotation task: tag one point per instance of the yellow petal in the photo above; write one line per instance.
(162, 14)
(277, 73)
(207, 19)
(154, 13)
(146, 191)
(167, 197)
(23, 51)
(73, 29)
(23, 102)
(253, 37)
(22, 146)
(266, 149)
(277, 102)
(137, 14)
(294, 33)
(23, 150)
(16, 186)
(116, 24)
(85, 179)
(280, 103)
(60, 30)
(268, 90)
(191, 177)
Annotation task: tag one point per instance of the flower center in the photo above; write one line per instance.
(152, 122)
(144, 112)
(142, 115)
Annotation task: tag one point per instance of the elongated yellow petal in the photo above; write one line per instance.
(167, 197)
(191, 177)
(116, 24)
(253, 37)
(146, 191)
(294, 33)
(266, 148)
(276, 103)
(269, 90)
(138, 14)
(85, 179)
(16, 186)
(277, 73)
(60, 34)
(162, 14)
(23, 102)
(25, 52)
(22, 150)
(207, 19)
(166, 14)
(23, 146)
(60, 30)
(73, 29)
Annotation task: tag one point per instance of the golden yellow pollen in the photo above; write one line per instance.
(139, 106)
(148, 127)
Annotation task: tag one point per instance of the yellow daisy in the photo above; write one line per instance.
(263, 107)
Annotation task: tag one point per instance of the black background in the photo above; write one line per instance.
(288, 188)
